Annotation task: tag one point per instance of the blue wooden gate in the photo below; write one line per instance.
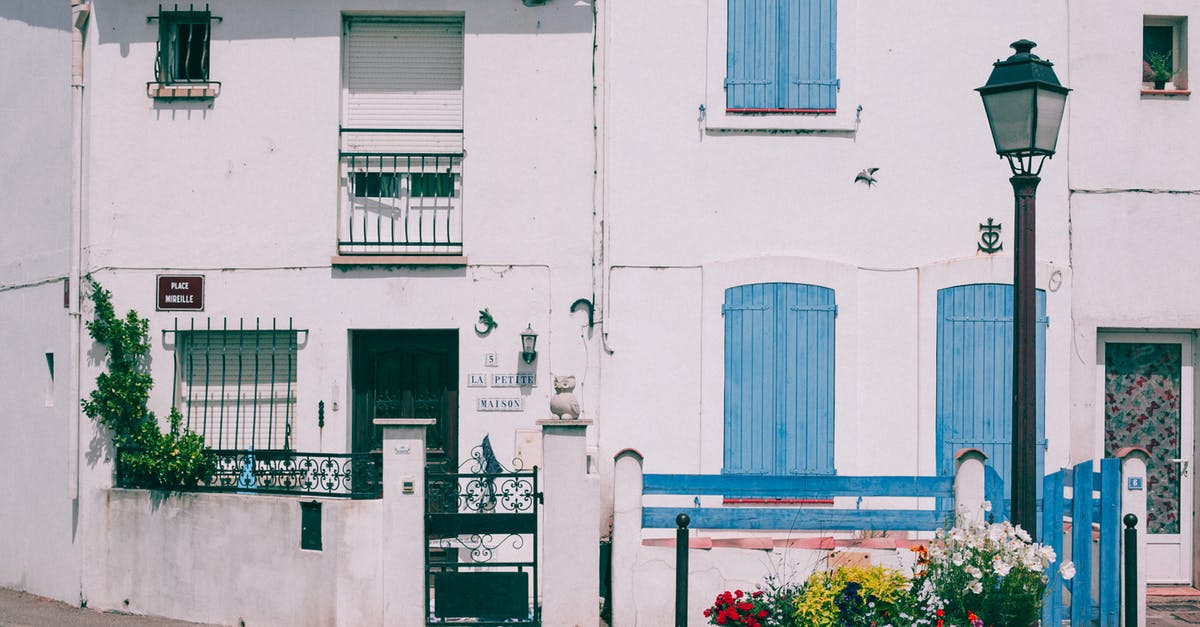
(1095, 501)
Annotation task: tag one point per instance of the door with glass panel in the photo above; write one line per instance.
(1148, 402)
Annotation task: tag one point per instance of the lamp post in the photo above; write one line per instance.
(1024, 103)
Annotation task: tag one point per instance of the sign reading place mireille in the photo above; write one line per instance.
(180, 292)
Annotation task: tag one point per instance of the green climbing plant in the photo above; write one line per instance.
(148, 457)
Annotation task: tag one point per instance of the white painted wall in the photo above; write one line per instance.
(38, 530)
(697, 203)
(1133, 203)
(243, 189)
(228, 558)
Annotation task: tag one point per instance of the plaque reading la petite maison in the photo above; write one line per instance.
(180, 293)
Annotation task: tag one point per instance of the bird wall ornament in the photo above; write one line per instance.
(867, 176)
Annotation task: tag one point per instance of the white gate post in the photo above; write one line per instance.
(570, 552)
(1133, 501)
(403, 541)
(626, 535)
(969, 484)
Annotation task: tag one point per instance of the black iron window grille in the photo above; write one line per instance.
(183, 45)
(393, 184)
(235, 383)
(401, 203)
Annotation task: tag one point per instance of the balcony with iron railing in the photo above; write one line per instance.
(400, 192)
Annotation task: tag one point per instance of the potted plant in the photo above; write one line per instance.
(1160, 69)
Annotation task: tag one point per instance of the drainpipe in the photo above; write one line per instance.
(599, 195)
(80, 12)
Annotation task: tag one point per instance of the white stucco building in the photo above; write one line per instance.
(346, 186)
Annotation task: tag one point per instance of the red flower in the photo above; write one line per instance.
(763, 613)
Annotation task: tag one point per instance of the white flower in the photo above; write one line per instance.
(975, 587)
(987, 506)
(1068, 570)
(1001, 566)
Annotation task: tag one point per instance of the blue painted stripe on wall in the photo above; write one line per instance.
(798, 486)
(797, 519)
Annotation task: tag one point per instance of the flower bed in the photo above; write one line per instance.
(972, 575)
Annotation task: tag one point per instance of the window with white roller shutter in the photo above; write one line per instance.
(403, 76)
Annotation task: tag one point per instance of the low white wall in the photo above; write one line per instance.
(236, 559)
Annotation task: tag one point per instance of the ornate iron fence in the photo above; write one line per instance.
(352, 475)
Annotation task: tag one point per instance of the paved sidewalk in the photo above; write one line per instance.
(18, 609)
(1172, 611)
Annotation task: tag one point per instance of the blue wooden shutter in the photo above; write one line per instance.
(752, 55)
(804, 378)
(779, 385)
(781, 55)
(807, 72)
(749, 382)
(974, 376)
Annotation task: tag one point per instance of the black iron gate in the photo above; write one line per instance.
(481, 544)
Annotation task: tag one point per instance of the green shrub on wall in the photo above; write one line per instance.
(148, 457)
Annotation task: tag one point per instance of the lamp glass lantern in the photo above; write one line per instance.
(1024, 103)
(528, 344)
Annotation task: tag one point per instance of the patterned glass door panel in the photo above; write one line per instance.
(1147, 403)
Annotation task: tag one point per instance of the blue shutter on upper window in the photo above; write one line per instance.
(779, 385)
(751, 80)
(781, 56)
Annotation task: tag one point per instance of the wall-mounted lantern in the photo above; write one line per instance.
(528, 344)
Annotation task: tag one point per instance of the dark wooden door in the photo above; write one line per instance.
(406, 374)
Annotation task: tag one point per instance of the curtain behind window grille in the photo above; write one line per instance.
(238, 388)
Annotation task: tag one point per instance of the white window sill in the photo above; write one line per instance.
(1167, 93)
(200, 90)
(399, 260)
(843, 120)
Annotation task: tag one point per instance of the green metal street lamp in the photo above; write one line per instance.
(1024, 103)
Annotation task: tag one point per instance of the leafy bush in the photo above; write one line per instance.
(853, 595)
(991, 572)
(147, 457)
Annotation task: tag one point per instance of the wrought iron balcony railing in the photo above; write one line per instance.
(401, 192)
(353, 475)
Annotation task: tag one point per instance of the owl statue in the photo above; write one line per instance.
(564, 404)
